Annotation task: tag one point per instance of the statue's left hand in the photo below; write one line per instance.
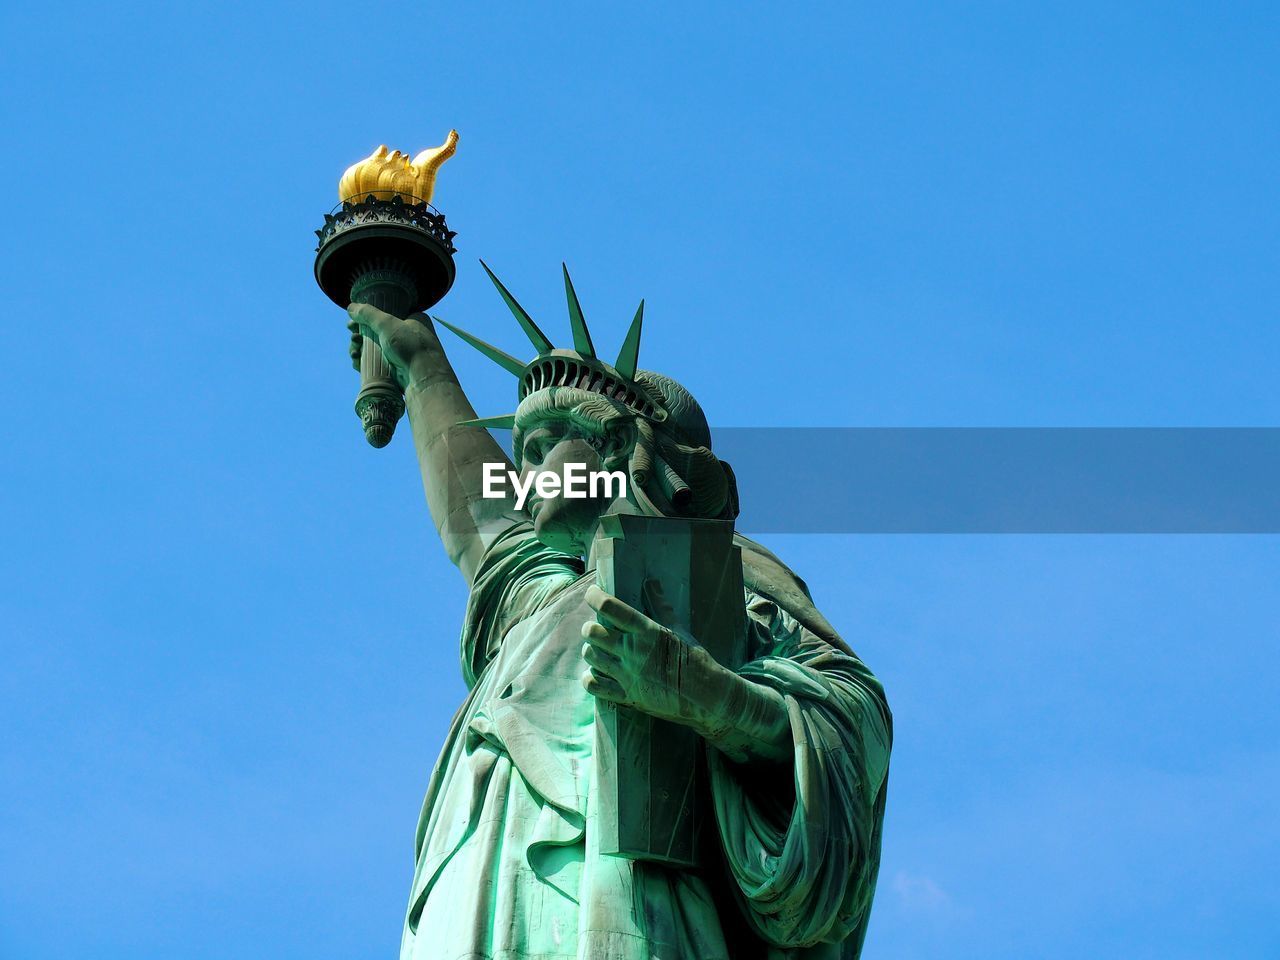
(635, 661)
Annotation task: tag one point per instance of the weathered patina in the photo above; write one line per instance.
(517, 844)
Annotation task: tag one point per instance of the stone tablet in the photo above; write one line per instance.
(651, 771)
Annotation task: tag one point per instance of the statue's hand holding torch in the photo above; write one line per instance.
(398, 342)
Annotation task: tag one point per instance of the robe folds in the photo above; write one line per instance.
(508, 865)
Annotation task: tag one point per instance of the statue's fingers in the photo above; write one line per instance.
(606, 688)
(601, 636)
(601, 661)
(371, 320)
(612, 612)
(356, 348)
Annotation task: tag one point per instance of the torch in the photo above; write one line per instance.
(385, 245)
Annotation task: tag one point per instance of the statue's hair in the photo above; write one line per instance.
(670, 461)
(685, 413)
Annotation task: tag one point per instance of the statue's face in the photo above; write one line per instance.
(563, 522)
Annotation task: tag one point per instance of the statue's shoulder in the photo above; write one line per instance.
(771, 584)
(516, 553)
(518, 576)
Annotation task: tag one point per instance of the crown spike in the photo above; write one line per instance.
(505, 422)
(629, 355)
(577, 322)
(500, 357)
(536, 336)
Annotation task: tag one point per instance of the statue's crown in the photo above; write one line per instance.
(579, 367)
(388, 175)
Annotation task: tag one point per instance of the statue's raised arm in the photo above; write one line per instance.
(451, 456)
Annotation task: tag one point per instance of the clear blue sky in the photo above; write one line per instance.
(229, 638)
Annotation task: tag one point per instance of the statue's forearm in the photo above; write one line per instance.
(452, 458)
(749, 722)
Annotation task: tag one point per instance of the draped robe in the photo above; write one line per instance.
(507, 858)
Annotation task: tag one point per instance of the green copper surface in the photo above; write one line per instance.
(500, 357)
(577, 322)
(665, 752)
(536, 336)
(629, 355)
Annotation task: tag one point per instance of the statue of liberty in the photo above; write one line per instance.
(509, 861)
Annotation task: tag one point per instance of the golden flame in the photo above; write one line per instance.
(386, 175)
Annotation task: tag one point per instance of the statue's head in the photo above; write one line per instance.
(643, 428)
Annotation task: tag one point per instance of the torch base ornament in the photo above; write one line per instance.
(379, 410)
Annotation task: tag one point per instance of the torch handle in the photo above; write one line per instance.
(380, 402)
